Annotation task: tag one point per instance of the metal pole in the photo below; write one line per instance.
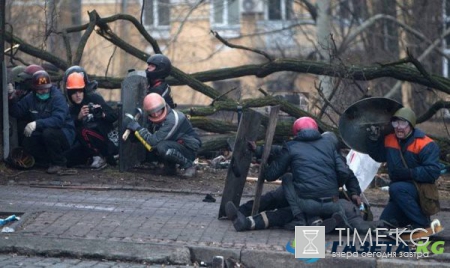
(4, 96)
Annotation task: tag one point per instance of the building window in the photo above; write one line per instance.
(279, 10)
(157, 17)
(225, 17)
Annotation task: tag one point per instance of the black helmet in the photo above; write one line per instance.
(90, 85)
(28, 72)
(163, 67)
(41, 80)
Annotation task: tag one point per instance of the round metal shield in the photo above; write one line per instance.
(357, 118)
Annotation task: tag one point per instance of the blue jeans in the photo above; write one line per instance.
(403, 207)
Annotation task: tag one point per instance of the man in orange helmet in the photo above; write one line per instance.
(169, 134)
(94, 119)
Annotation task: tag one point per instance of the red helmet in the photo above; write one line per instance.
(304, 123)
(75, 81)
(153, 103)
(41, 80)
(29, 71)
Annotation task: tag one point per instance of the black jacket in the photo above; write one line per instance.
(315, 164)
(104, 125)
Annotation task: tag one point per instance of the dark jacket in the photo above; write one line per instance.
(104, 125)
(315, 164)
(163, 89)
(175, 127)
(51, 113)
(421, 155)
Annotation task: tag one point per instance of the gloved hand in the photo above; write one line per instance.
(401, 174)
(30, 127)
(356, 199)
(133, 125)
(374, 132)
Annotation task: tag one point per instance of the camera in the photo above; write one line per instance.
(94, 113)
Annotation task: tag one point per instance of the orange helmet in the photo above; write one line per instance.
(75, 81)
(41, 80)
(153, 103)
(304, 123)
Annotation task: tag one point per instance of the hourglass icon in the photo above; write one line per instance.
(310, 247)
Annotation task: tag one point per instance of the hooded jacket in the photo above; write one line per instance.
(50, 113)
(315, 164)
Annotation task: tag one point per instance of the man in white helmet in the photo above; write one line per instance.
(169, 134)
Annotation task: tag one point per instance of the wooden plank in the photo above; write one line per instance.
(270, 132)
(240, 161)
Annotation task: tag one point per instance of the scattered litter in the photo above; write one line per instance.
(385, 188)
(209, 198)
(7, 229)
(8, 220)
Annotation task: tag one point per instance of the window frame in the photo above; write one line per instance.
(157, 30)
(225, 28)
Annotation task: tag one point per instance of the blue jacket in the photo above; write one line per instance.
(51, 113)
(315, 164)
(421, 155)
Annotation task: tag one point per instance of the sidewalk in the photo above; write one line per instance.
(157, 226)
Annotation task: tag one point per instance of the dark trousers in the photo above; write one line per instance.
(48, 146)
(403, 206)
(273, 207)
(159, 152)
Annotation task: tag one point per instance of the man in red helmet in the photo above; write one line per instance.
(50, 130)
(316, 169)
(169, 134)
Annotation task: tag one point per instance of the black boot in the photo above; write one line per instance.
(240, 222)
(333, 222)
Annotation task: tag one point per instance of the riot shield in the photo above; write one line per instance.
(133, 90)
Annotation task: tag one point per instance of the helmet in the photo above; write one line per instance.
(75, 81)
(304, 123)
(406, 114)
(163, 67)
(90, 85)
(29, 71)
(19, 158)
(13, 76)
(41, 80)
(153, 102)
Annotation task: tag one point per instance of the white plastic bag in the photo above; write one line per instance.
(364, 167)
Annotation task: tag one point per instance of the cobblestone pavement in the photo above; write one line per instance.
(151, 226)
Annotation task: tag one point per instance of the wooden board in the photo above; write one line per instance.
(430, 231)
(248, 130)
(273, 119)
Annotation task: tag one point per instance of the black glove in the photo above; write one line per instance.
(374, 132)
(401, 174)
(134, 126)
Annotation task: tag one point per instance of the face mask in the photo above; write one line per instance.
(44, 96)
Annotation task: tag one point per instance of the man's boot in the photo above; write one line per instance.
(188, 166)
(242, 223)
(333, 222)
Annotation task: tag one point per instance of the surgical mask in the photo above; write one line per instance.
(44, 96)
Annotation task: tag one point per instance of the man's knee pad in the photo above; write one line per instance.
(175, 156)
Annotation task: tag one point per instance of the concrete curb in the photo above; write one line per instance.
(95, 249)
